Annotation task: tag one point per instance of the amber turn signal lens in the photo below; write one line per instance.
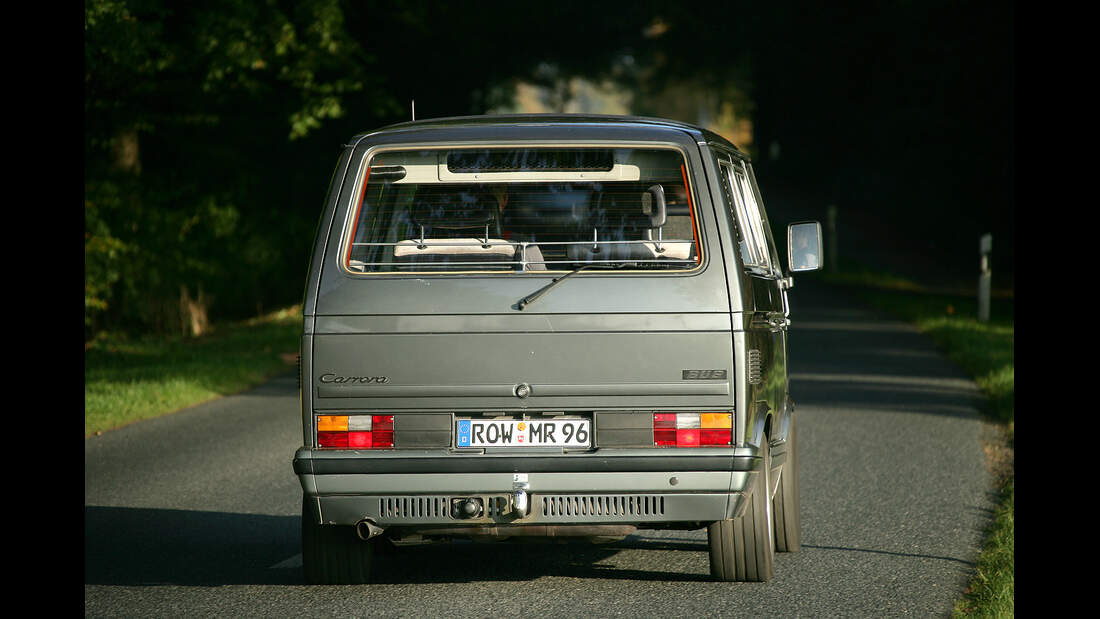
(332, 423)
(715, 420)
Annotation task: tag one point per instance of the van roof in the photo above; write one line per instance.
(489, 121)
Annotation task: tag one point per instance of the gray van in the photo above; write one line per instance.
(546, 326)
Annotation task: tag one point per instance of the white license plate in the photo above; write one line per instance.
(525, 433)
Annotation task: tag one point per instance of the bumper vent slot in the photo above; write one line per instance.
(496, 507)
(414, 507)
(603, 506)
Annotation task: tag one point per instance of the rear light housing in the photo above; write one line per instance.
(355, 431)
(692, 429)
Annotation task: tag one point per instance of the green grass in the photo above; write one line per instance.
(986, 352)
(127, 380)
(992, 590)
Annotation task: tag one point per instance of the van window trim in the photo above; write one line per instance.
(756, 221)
(773, 249)
(743, 215)
(359, 186)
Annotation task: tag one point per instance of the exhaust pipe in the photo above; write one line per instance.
(366, 529)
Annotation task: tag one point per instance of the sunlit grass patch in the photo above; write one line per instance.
(126, 380)
(992, 591)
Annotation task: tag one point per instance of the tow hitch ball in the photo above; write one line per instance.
(462, 509)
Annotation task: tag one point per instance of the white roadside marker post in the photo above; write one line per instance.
(985, 247)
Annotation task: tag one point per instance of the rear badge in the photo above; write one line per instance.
(704, 374)
(365, 380)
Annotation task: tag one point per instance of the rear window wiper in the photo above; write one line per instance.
(529, 299)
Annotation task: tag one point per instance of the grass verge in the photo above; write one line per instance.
(126, 380)
(985, 350)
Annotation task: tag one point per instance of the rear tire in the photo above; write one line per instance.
(786, 506)
(334, 555)
(743, 549)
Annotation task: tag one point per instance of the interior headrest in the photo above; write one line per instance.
(653, 205)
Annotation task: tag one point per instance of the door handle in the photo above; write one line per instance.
(775, 320)
(778, 321)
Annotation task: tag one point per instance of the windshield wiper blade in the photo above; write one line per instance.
(529, 299)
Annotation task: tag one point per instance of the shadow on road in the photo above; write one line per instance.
(143, 546)
(890, 553)
(131, 546)
(517, 561)
(846, 355)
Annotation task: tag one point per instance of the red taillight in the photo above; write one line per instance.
(687, 438)
(332, 440)
(714, 437)
(692, 429)
(360, 440)
(664, 429)
(383, 431)
(355, 431)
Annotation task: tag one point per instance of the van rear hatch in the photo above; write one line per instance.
(522, 282)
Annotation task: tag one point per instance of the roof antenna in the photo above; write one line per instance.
(414, 109)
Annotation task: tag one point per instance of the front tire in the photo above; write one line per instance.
(334, 555)
(786, 506)
(743, 549)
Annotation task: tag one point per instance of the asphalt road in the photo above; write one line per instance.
(197, 513)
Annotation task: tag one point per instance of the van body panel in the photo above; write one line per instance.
(587, 293)
(585, 360)
(526, 322)
(320, 243)
(739, 288)
(759, 310)
(593, 369)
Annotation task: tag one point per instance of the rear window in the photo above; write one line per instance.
(523, 209)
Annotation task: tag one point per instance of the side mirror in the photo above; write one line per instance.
(804, 251)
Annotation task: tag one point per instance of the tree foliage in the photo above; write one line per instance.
(199, 118)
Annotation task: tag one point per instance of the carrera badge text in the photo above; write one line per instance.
(354, 380)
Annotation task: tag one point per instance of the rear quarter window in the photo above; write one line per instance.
(752, 239)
